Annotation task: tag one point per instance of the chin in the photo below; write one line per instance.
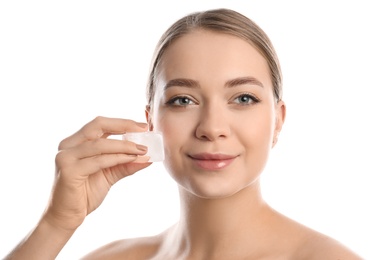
(213, 184)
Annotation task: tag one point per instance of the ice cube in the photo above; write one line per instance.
(153, 140)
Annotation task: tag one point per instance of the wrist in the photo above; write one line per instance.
(61, 223)
(44, 242)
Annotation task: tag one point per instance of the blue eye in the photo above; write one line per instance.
(246, 99)
(180, 101)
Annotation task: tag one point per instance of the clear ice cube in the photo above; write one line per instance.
(153, 140)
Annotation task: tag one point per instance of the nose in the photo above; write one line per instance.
(213, 123)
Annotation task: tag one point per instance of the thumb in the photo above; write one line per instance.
(128, 169)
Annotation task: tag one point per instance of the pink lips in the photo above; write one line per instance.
(212, 162)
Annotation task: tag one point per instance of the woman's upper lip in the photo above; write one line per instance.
(212, 156)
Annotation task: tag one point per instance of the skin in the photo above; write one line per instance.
(223, 215)
(87, 165)
(225, 106)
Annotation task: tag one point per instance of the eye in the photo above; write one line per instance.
(180, 101)
(246, 99)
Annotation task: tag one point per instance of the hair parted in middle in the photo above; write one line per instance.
(223, 21)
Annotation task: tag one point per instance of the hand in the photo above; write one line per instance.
(87, 165)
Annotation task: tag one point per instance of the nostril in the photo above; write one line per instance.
(211, 134)
(213, 123)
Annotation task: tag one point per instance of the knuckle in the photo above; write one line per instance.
(93, 130)
(99, 120)
(66, 166)
(61, 157)
(62, 145)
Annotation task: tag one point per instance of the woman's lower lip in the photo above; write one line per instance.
(213, 165)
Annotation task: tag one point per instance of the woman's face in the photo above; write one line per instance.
(215, 107)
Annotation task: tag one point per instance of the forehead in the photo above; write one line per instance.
(205, 55)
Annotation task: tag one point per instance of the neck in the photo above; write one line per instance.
(209, 225)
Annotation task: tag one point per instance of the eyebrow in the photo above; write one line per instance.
(243, 81)
(181, 82)
(189, 83)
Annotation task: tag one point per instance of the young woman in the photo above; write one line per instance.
(215, 93)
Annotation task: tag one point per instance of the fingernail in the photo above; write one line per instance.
(142, 159)
(142, 148)
(142, 125)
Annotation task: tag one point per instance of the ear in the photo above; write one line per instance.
(148, 115)
(280, 110)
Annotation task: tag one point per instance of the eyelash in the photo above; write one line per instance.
(171, 102)
(253, 100)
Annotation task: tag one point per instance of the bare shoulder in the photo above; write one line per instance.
(320, 246)
(133, 248)
(302, 242)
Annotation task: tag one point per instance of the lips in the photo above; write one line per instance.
(212, 162)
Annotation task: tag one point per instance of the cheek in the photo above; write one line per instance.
(176, 128)
(256, 132)
(177, 132)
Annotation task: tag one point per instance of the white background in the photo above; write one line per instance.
(62, 63)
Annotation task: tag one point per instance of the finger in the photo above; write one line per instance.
(101, 127)
(142, 159)
(124, 171)
(106, 146)
(88, 166)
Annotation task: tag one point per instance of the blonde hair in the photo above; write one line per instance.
(219, 20)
